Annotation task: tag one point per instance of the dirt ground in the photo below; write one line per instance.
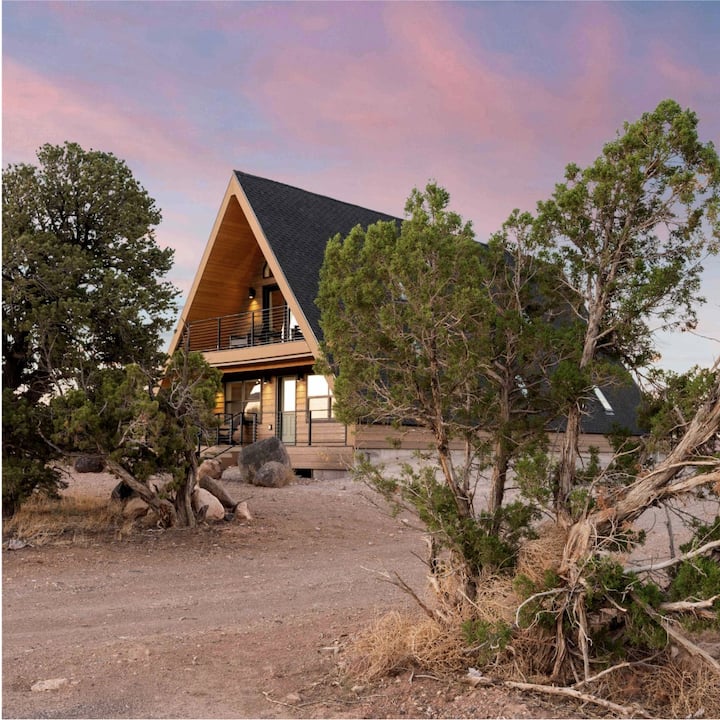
(234, 620)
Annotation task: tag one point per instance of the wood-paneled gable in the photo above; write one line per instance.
(231, 268)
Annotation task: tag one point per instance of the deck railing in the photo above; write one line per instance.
(248, 329)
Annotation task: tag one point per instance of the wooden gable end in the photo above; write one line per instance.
(231, 264)
(229, 269)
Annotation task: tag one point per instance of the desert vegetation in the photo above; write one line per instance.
(493, 349)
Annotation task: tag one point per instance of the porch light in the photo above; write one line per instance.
(251, 293)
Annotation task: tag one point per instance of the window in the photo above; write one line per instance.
(243, 396)
(266, 272)
(320, 398)
(600, 395)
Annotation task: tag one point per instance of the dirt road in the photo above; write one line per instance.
(235, 620)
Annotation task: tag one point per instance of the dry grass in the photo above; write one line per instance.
(70, 519)
(538, 556)
(668, 689)
(401, 641)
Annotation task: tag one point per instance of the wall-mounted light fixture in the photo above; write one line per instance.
(251, 293)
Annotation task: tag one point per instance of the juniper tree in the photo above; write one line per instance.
(83, 290)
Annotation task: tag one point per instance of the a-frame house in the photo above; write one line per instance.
(251, 311)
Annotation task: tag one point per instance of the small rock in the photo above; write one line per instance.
(292, 698)
(242, 511)
(52, 684)
(16, 544)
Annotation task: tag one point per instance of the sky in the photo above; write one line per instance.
(360, 101)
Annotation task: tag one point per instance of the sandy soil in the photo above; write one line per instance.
(241, 619)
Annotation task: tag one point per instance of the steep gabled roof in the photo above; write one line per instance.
(297, 225)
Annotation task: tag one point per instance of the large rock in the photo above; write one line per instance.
(90, 464)
(135, 508)
(253, 457)
(213, 507)
(209, 468)
(273, 474)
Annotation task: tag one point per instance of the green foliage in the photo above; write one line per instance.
(82, 272)
(147, 423)
(83, 293)
(423, 326)
(699, 577)
(484, 541)
(26, 456)
(486, 639)
(667, 409)
(630, 234)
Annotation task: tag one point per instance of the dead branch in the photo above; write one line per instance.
(690, 646)
(164, 508)
(667, 624)
(651, 487)
(606, 671)
(674, 561)
(687, 606)
(688, 484)
(398, 582)
(475, 678)
(555, 591)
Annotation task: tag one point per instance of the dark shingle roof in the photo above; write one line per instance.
(298, 225)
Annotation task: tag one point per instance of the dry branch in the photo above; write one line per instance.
(688, 606)
(667, 624)
(674, 561)
(651, 487)
(164, 508)
(475, 679)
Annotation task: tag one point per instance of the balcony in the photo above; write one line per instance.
(244, 330)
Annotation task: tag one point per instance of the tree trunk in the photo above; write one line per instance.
(183, 496)
(163, 508)
(213, 486)
(568, 463)
(501, 453)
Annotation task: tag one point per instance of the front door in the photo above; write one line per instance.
(287, 410)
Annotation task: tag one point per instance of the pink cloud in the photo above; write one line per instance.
(38, 110)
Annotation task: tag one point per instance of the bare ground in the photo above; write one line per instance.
(235, 620)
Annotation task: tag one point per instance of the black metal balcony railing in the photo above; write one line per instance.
(300, 428)
(248, 329)
(232, 429)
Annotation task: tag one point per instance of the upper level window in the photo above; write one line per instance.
(319, 397)
(266, 272)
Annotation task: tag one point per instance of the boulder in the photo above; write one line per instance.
(273, 474)
(233, 474)
(135, 508)
(253, 457)
(209, 468)
(90, 464)
(242, 511)
(203, 499)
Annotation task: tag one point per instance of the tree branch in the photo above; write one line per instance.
(674, 561)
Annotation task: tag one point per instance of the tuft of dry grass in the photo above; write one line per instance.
(538, 556)
(42, 520)
(400, 641)
(668, 688)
